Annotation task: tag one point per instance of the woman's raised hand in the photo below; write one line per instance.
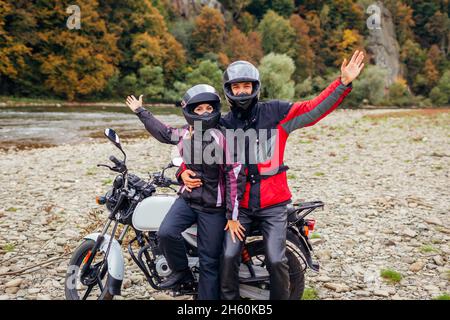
(134, 103)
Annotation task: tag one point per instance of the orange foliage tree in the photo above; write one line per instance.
(209, 31)
(244, 47)
(79, 61)
(304, 54)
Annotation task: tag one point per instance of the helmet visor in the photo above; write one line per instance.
(241, 72)
(200, 93)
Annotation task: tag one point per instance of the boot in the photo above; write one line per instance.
(177, 277)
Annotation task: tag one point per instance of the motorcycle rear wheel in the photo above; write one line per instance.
(256, 250)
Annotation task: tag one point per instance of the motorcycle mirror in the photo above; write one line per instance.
(114, 138)
(177, 161)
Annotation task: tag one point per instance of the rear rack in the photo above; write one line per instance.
(309, 206)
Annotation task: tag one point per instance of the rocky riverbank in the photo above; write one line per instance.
(384, 233)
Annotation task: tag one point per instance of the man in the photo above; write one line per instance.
(267, 192)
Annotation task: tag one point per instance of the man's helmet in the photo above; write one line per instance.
(241, 71)
(199, 94)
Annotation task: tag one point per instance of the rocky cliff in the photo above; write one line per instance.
(383, 45)
(189, 8)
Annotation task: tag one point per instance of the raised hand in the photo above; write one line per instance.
(134, 103)
(351, 71)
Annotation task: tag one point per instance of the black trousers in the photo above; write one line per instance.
(273, 224)
(210, 234)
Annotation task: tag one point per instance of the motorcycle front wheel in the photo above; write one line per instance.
(96, 288)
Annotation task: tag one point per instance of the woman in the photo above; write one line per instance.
(209, 205)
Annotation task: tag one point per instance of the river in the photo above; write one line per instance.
(46, 126)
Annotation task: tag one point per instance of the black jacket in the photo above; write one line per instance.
(223, 181)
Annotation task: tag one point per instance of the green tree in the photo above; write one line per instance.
(370, 86)
(347, 14)
(440, 95)
(413, 57)
(399, 95)
(151, 82)
(276, 72)
(182, 31)
(438, 29)
(236, 7)
(278, 36)
(260, 7)
(283, 7)
(402, 16)
(207, 72)
(247, 22)
(136, 24)
(304, 88)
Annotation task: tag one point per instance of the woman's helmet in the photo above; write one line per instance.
(199, 94)
(241, 71)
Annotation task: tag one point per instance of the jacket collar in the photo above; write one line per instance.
(231, 120)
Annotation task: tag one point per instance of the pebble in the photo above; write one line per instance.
(14, 283)
(438, 260)
(417, 266)
(408, 232)
(433, 220)
(338, 287)
(12, 290)
(34, 290)
(323, 279)
(381, 293)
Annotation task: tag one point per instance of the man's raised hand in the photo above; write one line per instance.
(351, 71)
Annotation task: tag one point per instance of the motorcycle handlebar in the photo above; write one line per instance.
(176, 183)
(116, 161)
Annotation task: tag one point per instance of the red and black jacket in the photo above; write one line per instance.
(266, 179)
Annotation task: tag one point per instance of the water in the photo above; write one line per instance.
(34, 127)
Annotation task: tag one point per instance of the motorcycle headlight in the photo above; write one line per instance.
(111, 200)
(118, 182)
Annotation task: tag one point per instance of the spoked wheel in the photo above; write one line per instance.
(93, 286)
(261, 290)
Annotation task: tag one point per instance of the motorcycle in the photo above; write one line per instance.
(96, 268)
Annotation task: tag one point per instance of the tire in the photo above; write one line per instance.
(72, 275)
(296, 270)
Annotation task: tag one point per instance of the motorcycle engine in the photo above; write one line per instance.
(162, 267)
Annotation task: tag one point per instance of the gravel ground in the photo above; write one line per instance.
(384, 176)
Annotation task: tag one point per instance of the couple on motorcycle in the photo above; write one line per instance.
(254, 189)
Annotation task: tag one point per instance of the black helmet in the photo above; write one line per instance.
(241, 71)
(199, 94)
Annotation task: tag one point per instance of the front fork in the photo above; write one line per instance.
(85, 275)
